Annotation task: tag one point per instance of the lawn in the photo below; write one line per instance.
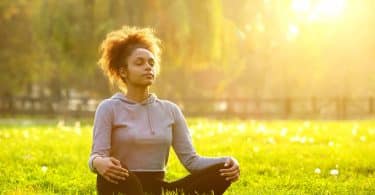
(276, 157)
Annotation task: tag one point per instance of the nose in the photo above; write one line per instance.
(148, 66)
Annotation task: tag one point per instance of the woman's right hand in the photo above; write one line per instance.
(110, 168)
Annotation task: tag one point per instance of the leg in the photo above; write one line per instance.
(151, 182)
(205, 181)
(130, 186)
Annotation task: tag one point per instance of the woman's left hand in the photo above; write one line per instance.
(232, 170)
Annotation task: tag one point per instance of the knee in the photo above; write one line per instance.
(219, 176)
(218, 182)
(216, 167)
(215, 173)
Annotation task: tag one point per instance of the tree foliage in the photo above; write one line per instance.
(210, 48)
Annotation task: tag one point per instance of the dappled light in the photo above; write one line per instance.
(284, 87)
(334, 157)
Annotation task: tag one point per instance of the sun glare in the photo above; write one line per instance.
(322, 9)
(301, 6)
(330, 8)
(293, 32)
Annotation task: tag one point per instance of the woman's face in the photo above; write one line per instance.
(141, 68)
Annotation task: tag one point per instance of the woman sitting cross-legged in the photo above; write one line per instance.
(134, 130)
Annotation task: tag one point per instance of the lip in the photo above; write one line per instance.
(148, 75)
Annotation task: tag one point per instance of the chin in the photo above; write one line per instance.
(149, 83)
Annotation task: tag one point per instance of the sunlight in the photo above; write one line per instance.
(293, 32)
(301, 5)
(322, 9)
(330, 8)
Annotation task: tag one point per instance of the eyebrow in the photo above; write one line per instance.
(142, 57)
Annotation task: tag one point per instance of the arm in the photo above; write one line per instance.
(100, 160)
(101, 144)
(182, 144)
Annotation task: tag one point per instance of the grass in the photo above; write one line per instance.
(276, 157)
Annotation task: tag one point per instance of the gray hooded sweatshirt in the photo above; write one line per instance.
(140, 135)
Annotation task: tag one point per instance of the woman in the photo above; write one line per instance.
(133, 130)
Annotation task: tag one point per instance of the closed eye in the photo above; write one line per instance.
(151, 62)
(139, 61)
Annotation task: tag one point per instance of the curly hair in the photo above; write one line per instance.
(118, 46)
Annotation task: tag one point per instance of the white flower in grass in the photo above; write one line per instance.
(44, 169)
(354, 131)
(363, 138)
(317, 171)
(271, 140)
(306, 124)
(241, 127)
(261, 129)
(221, 128)
(199, 125)
(331, 143)
(283, 132)
(294, 139)
(77, 131)
(334, 172)
(256, 149)
(26, 134)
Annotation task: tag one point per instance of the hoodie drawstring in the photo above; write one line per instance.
(149, 121)
(146, 103)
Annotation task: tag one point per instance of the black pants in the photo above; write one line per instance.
(139, 183)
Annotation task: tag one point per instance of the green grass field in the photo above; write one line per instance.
(276, 157)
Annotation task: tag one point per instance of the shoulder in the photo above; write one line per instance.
(173, 109)
(169, 105)
(106, 105)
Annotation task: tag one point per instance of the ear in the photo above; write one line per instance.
(122, 72)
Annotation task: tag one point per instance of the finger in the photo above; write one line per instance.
(230, 169)
(230, 173)
(110, 179)
(119, 173)
(115, 161)
(228, 162)
(233, 178)
(115, 176)
(120, 169)
(118, 166)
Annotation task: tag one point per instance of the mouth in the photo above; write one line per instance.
(149, 75)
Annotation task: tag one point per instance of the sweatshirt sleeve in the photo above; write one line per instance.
(102, 128)
(182, 145)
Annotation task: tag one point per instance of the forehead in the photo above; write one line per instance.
(141, 53)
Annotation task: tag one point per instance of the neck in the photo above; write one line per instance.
(137, 94)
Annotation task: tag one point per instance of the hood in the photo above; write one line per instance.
(150, 99)
(120, 96)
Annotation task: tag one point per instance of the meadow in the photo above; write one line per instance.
(276, 157)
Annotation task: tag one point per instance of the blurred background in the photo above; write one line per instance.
(221, 58)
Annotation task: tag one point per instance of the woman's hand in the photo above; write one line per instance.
(110, 168)
(232, 170)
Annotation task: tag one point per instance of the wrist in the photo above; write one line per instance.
(95, 161)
